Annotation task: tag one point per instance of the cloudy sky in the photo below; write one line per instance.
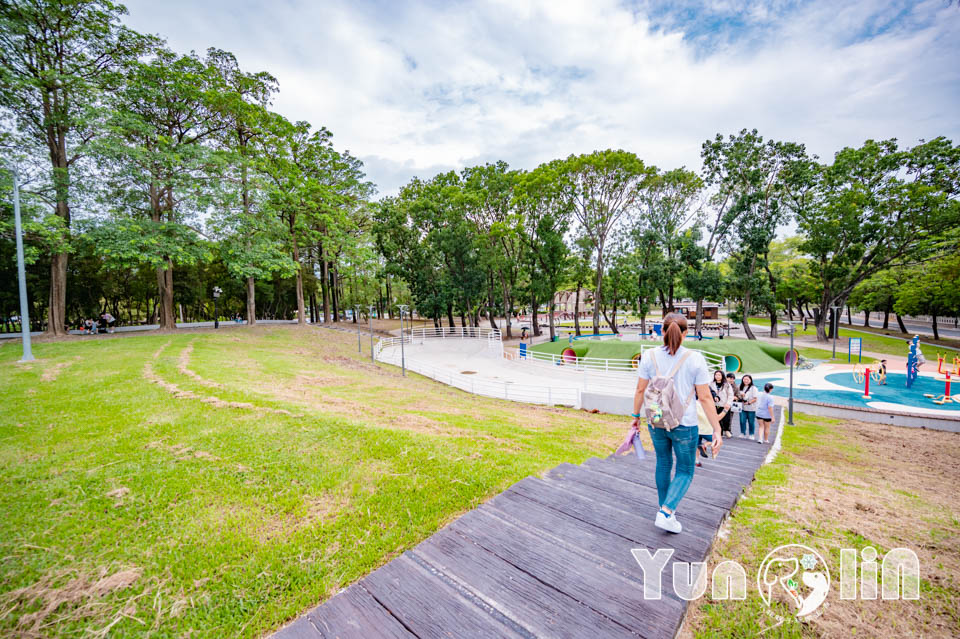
(414, 88)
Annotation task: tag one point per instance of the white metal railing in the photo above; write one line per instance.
(600, 363)
(531, 394)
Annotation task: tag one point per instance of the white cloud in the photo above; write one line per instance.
(418, 88)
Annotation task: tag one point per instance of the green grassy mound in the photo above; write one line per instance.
(755, 357)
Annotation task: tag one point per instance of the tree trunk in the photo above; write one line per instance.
(506, 304)
(598, 294)
(165, 296)
(251, 301)
(849, 317)
(936, 331)
(886, 320)
(491, 312)
(325, 288)
(866, 318)
(301, 314)
(56, 311)
(553, 330)
(534, 322)
(334, 295)
(903, 329)
(773, 324)
(450, 316)
(576, 312)
(699, 323)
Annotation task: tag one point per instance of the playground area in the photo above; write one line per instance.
(561, 372)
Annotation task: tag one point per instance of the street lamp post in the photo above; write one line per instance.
(836, 327)
(793, 360)
(370, 323)
(216, 316)
(356, 318)
(21, 274)
(403, 361)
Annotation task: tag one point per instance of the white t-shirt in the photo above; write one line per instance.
(693, 372)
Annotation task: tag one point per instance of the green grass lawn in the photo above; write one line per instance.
(756, 356)
(217, 484)
(873, 343)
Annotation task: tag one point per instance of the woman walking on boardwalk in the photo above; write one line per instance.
(686, 374)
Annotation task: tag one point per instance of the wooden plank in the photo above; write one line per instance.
(644, 485)
(724, 496)
(354, 614)
(626, 496)
(299, 629)
(586, 581)
(537, 607)
(427, 606)
(637, 527)
(611, 550)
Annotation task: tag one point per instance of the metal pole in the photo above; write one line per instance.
(21, 274)
(216, 316)
(356, 310)
(403, 360)
(793, 329)
(370, 324)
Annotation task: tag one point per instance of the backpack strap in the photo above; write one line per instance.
(676, 367)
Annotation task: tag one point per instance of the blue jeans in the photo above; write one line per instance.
(681, 441)
(748, 417)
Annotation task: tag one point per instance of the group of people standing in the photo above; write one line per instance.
(753, 407)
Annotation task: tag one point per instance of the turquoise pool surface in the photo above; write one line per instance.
(895, 391)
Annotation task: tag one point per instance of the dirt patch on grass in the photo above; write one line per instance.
(182, 452)
(183, 366)
(59, 598)
(871, 485)
(51, 373)
(181, 393)
(315, 510)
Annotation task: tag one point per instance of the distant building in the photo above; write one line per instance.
(565, 303)
(711, 311)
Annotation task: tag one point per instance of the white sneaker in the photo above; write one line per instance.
(759, 441)
(667, 522)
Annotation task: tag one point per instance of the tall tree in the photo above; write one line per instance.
(668, 207)
(601, 188)
(57, 58)
(159, 157)
(542, 223)
(754, 172)
(247, 95)
(872, 208)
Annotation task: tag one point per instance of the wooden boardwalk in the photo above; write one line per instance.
(546, 558)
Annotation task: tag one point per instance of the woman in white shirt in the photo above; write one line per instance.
(690, 377)
(723, 398)
(748, 396)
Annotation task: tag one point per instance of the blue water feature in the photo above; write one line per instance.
(894, 392)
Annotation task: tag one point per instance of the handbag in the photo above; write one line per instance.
(736, 407)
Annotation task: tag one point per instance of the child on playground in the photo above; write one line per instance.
(883, 372)
(765, 414)
(748, 396)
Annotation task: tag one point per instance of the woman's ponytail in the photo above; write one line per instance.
(674, 326)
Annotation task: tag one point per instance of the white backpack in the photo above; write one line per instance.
(662, 405)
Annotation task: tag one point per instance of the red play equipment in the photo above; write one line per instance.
(866, 385)
(946, 398)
